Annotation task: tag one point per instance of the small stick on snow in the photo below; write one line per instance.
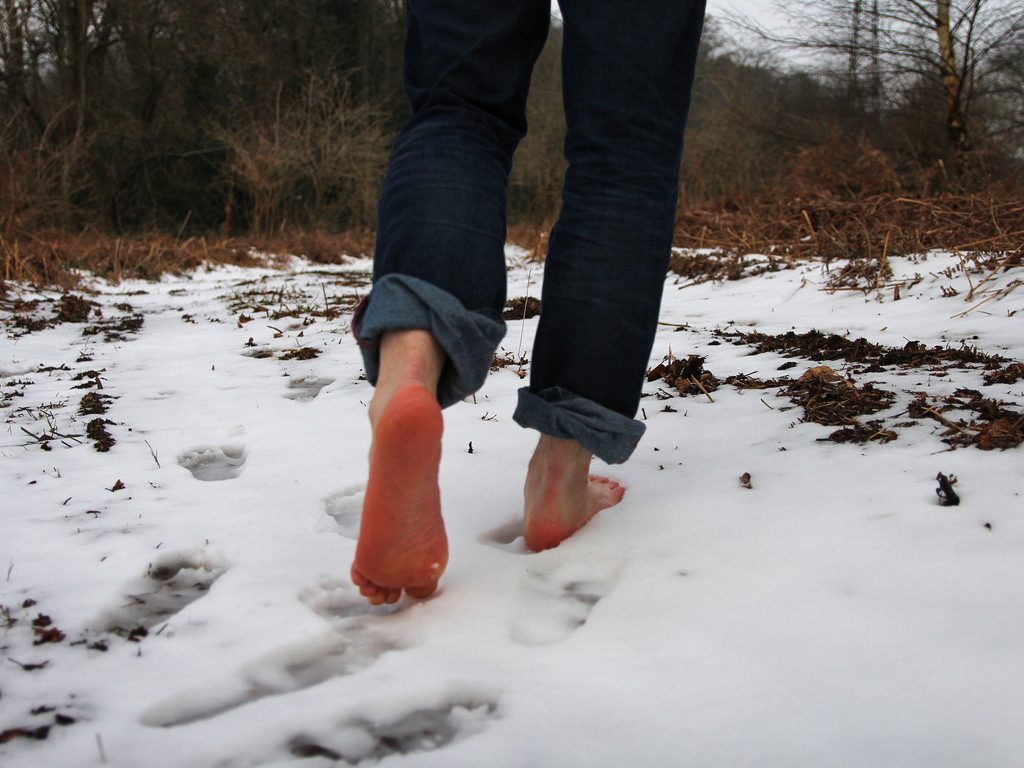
(707, 394)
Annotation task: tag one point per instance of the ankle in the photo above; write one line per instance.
(407, 358)
(557, 459)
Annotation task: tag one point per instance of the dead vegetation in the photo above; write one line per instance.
(825, 227)
(816, 345)
(56, 258)
(988, 424)
(828, 398)
(685, 377)
(845, 199)
(521, 308)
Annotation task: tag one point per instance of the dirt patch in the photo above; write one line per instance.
(816, 345)
(720, 264)
(300, 353)
(93, 404)
(833, 401)
(75, 309)
(863, 433)
(1011, 374)
(687, 377)
(990, 424)
(116, 329)
(521, 308)
(97, 431)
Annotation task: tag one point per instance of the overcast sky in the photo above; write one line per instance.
(759, 10)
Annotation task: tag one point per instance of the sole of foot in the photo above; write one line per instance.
(402, 543)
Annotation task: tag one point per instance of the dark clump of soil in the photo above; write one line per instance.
(687, 377)
(1011, 374)
(97, 431)
(837, 403)
(728, 264)
(992, 426)
(300, 353)
(36, 734)
(816, 345)
(74, 309)
(30, 324)
(115, 329)
(93, 403)
(1003, 433)
(521, 308)
(863, 433)
(746, 381)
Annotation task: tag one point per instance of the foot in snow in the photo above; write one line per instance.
(561, 495)
(402, 543)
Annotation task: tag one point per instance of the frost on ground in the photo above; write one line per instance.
(182, 475)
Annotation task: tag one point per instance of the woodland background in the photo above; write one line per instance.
(139, 134)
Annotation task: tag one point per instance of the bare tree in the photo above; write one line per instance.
(959, 46)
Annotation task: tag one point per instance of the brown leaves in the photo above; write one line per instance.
(816, 345)
(833, 402)
(300, 353)
(45, 632)
(1011, 374)
(97, 430)
(35, 734)
(687, 377)
(1006, 432)
(521, 308)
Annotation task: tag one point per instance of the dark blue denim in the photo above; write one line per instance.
(627, 71)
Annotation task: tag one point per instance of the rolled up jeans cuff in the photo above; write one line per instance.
(558, 412)
(468, 338)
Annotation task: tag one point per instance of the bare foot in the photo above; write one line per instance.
(561, 495)
(402, 543)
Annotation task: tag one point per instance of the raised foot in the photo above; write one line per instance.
(402, 543)
(556, 512)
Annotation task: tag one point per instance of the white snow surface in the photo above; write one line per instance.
(832, 615)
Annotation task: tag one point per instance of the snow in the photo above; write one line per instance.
(834, 614)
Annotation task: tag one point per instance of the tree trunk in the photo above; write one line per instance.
(952, 82)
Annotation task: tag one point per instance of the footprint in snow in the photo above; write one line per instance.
(506, 536)
(555, 601)
(206, 463)
(171, 583)
(421, 730)
(350, 646)
(346, 508)
(337, 601)
(306, 388)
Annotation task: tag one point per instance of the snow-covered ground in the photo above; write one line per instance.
(833, 614)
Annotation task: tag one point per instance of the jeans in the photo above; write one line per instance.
(627, 73)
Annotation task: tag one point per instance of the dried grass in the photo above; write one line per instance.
(56, 258)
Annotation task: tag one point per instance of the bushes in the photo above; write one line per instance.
(318, 163)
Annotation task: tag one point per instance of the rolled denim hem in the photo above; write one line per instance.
(558, 412)
(468, 339)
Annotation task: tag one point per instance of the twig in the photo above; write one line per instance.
(152, 453)
(944, 420)
(707, 394)
(1005, 292)
(522, 328)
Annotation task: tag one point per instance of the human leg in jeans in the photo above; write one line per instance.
(432, 321)
(627, 71)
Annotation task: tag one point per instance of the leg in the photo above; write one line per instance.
(627, 73)
(430, 326)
